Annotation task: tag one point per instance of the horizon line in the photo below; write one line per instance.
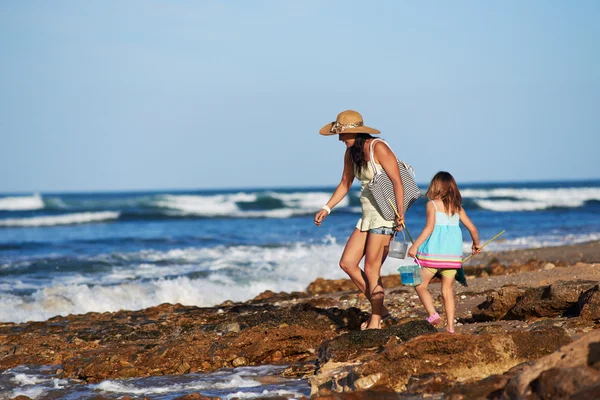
(284, 187)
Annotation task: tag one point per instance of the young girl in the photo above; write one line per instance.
(439, 246)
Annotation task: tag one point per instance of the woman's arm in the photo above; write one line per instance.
(464, 218)
(341, 190)
(388, 161)
(429, 225)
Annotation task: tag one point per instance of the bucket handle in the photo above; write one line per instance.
(417, 261)
(403, 235)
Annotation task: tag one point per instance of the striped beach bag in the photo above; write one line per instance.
(382, 188)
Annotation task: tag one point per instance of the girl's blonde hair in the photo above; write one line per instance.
(443, 187)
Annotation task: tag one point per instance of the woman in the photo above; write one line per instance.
(372, 235)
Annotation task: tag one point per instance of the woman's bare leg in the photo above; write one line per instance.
(376, 252)
(350, 262)
(353, 253)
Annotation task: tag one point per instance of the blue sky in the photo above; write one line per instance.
(119, 95)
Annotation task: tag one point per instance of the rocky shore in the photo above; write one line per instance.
(527, 328)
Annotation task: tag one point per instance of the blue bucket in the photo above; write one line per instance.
(410, 275)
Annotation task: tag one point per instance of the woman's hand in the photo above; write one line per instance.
(399, 222)
(412, 252)
(320, 217)
(476, 248)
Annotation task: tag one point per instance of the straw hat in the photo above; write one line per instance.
(347, 122)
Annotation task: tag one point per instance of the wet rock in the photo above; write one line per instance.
(458, 356)
(430, 383)
(197, 396)
(351, 345)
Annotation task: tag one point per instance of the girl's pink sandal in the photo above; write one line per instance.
(434, 319)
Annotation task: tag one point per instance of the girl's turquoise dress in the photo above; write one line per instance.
(443, 248)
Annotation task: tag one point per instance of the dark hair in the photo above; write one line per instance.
(443, 187)
(357, 151)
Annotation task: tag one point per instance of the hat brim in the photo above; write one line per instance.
(326, 130)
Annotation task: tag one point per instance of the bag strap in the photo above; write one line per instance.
(371, 153)
(409, 168)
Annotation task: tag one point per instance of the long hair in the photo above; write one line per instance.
(357, 151)
(443, 187)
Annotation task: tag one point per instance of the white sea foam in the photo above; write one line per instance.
(22, 203)
(516, 205)
(31, 392)
(310, 201)
(235, 273)
(25, 379)
(538, 241)
(233, 381)
(265, 394)
(514, 199)
(227, 204)
(64, 219)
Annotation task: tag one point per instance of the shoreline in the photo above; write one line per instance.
(319, 329)
(587, 252)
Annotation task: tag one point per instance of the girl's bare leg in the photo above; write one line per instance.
(376, 252)
(423, 292)
(448, 297)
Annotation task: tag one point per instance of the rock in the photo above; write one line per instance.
(183, 367)
(549, 266)
(568, 360)
(239, 361)
(430, 383)
(498, 304)
(487, 388)
(589, 304)
(560, 298)
(489, 329)
(197, 396)
(351, 345)
(458, 356)
(531, 265)
(559, 383)
(322, 286)
(368, 382)
(232, 327)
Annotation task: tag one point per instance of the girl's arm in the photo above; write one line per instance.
(341, 190)
(429, 225)
(464, 218)
(388, 161)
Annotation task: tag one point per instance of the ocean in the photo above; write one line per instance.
(72, 253)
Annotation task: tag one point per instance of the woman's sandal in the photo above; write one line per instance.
(364, 325)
